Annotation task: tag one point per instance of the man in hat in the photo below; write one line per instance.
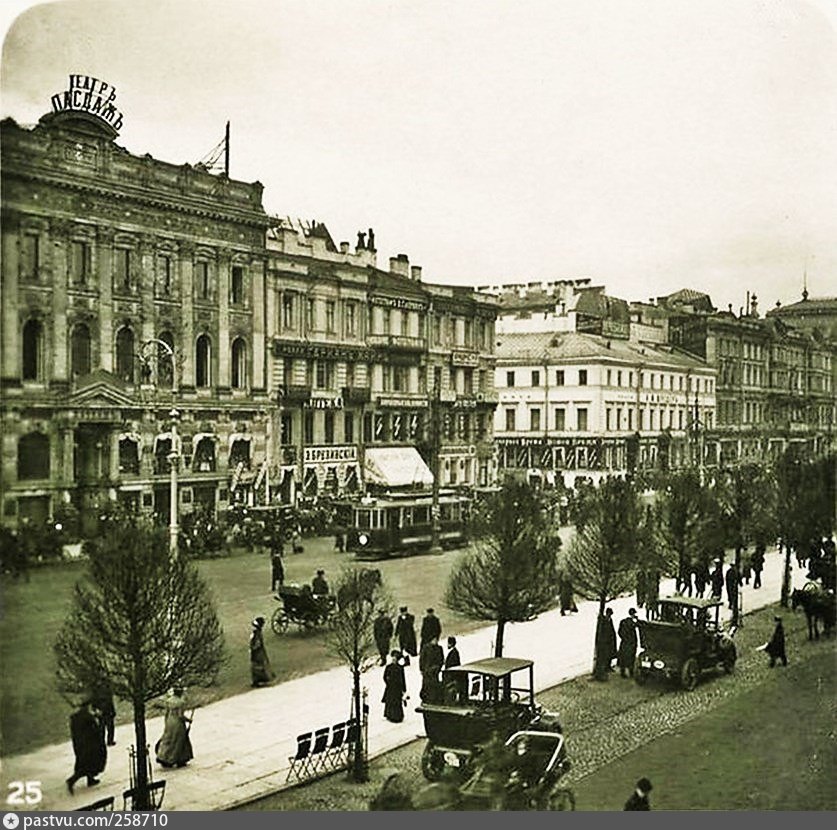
(319, 586)
(776, 644)
(431, 661)
(639, 797)
(452, 657)
(431, 627)
(277, 566)
(88, 737)
(260, 670)
(405, 630)
(627, 644)
(717, 580)
(383, 630)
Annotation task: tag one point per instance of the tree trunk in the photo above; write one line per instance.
(142, 800)
(786, 575)
(736, 603)
(498, 644)
(359, 772)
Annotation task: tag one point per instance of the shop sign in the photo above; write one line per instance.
(399, 302)
(329, 455)
(402, 403)
(91, 96)
(458, 449)
(325, 403)
(460, 358)
(465, 403)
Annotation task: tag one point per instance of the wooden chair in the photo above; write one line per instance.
(300, 760)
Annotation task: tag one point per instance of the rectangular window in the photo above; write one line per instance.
(79, 262)
(534, 419)
(29, 256)
(608, 418)
(509, 378)
(367, 427)
(386, 321)
(437, 378)
(329, 427)
(405, 323)
(582, 377)
(351, 319)
(559, 377)
(510, 420)
(308, 428)
(204, 288)
(350, 374)
(165, 275)
(310, 312)
(619, 378)
(286, 430)
(630, 419)
(437, 329)
(237, 285)
(331, 321)
(122, 268)
(400, 378)
(468, 381)
(581, 419)
(536, 377)
(348, 427)
(287, 370)
(609, 373)
(483, 379)
(560, 419)
(287, 311)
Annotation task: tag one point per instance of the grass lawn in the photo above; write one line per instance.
(33, 714)
(770, 748)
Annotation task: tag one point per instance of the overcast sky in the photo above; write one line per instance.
(648, 144)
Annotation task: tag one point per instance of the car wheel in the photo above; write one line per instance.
(689, 674)
(432, 763)
(562, 799)
(279, 622)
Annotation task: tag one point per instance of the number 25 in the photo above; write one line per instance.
(24, 792)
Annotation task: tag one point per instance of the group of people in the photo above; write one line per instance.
(431, 656)
(606, 645)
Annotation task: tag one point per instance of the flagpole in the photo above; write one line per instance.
(227, 151)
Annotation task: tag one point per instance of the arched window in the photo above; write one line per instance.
(80, 350)
(239, 363)
(33, 456)
(32, 350)
(203, 356)
(125, 354)
(165, 360)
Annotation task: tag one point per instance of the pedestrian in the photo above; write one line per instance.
(174, 749)
(319, 586)
(757, 563)
(431, 660)
(684, 579)
(260, 669)
(452, 657)
(102, 702)
(277, 566)
(733, 580)
(405, 630)
(776, 644)
(565, 595)
(88, 738)
(701, 579)
(383, 630)
(605, 645)
(627, 644)
(296, 541)
(639, 797)
(746, 567)
(717, 580)
(395, 689)
(431, 627)
(339, 544)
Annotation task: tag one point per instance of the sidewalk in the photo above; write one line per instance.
(242, 744)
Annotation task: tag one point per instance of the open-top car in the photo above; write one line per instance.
(485, 700)
(683, 639)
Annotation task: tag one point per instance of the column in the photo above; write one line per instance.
(223, 347)
(67, 473)
(105, 269)
(146, 287)
(9, 292)
(186, 346)
(55, 335)
(262, 306)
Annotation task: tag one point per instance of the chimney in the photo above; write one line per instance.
(415, 273)
(400, 265)
(344, 247)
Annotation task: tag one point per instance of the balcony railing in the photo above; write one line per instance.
(293, 393)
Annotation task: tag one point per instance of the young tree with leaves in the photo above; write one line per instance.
(511, 572)
(140, 619)
(351, 638)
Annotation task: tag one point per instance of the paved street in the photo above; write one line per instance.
(242, 743)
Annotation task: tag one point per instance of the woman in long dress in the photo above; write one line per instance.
(395, 687)
(259, 662)
(174, 749)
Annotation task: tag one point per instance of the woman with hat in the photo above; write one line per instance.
(395, 688)
(259, 662)
(174, 749)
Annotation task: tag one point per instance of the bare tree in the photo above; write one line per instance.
(511, 572)
(360, 594)
(140, 619)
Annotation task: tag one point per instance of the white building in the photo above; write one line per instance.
(573, 404)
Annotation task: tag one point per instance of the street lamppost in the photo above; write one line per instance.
(436, 430)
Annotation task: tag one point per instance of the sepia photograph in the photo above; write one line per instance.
(417, 406)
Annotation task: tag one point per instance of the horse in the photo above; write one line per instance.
(368, 582)
(819, 607)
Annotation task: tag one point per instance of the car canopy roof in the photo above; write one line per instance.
(493, 666)
(692, 602)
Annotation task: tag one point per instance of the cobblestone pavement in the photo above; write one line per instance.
(602, 721)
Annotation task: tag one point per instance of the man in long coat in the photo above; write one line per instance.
(733, 580)
(431, 627)
(452, 658)
(382, 629)
(717, 579)
(776, 645)
(405, 630)
(627, 644)
(605, 645)
(431, 660)
(277, 566)
(88, 736)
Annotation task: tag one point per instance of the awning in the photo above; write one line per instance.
(396, 467)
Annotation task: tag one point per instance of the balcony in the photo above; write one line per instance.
(293, 393)
(400, 342)
(356, 395)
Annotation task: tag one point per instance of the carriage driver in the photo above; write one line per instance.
(319, 586)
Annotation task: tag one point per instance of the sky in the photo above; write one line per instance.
(650, 145)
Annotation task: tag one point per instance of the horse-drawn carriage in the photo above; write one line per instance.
(302, 607)
(820, 607)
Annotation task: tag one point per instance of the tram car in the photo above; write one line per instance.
(401, 524)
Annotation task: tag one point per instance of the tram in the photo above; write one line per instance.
(402, 524)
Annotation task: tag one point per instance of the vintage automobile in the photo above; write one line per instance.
(683, 639)
(301, 607)
(486, 700)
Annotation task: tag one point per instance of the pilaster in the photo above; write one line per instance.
(107, 346)
(9, 292)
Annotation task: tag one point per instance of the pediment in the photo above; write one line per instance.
(101, 389)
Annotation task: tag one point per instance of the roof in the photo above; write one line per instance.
(555, 347)
(813, 305)
(692, 602)
(494, 666)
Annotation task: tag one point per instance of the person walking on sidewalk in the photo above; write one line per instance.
(405, 630)
(88, 737)
(757, 563)
(174, 749)
(431, 660)
(776, 644)
(431, 628)
(717, 580)
(627, 644)
(103, 704)
(639, 797)
(395, 689)
(260, 669)
(383, 630)
(733, 581)
(605, 645)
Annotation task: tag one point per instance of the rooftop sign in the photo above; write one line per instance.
(90, 96)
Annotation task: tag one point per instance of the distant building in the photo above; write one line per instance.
(816, 316)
